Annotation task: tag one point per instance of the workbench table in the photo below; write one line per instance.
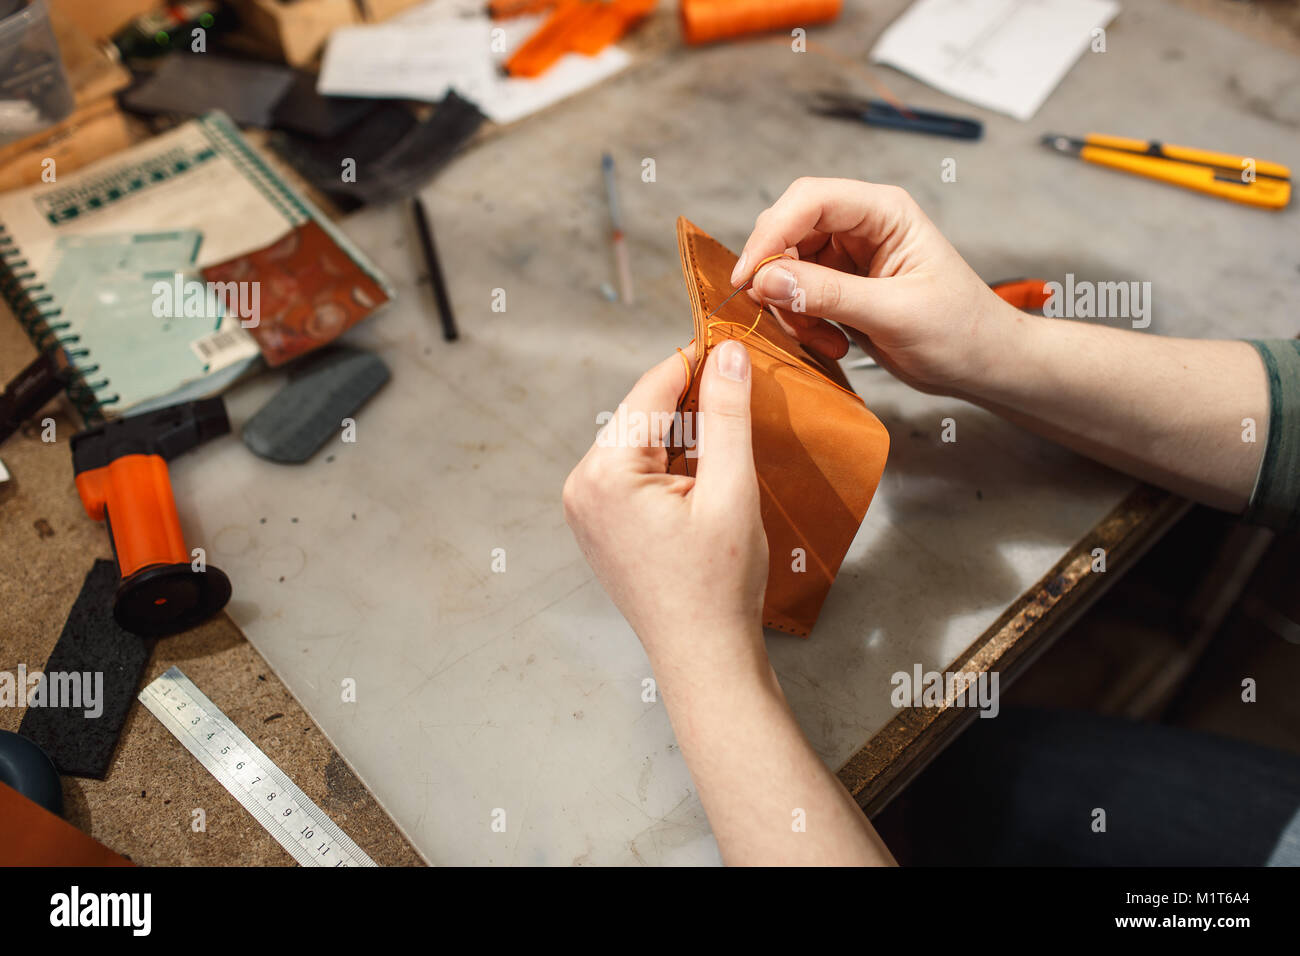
(478, 692)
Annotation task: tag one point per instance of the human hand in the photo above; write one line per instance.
(871, 260)
(684, 558)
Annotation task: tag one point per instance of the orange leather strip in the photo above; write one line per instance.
(576, 26)
(32, 836)
(817, 455)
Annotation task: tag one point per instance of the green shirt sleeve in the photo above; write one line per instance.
(1275, 501)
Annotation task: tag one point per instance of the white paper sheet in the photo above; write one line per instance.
(507, 100)
(1005, 55)
(420, 61)
(433, 48)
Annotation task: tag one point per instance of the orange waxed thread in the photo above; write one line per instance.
(708, 342)
(708, 329)
(795, 358)
(749, 330)
(687, 362)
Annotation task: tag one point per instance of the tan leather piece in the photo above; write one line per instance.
(32, 836)
(818, 451)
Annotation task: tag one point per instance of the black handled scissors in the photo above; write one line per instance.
(887, 116)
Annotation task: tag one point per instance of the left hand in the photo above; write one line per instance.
(684, 558)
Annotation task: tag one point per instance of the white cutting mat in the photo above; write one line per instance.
(522, 692)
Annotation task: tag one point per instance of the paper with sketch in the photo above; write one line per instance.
(1005, 55)
(419, 62)
(422, 54)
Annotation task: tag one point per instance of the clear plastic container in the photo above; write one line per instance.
(34, 90)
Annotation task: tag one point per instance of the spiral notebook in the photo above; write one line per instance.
(108, 263)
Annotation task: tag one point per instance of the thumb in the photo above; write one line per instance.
(725, 473)
(808, 287)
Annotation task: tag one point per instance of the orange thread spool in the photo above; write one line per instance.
(705, 21)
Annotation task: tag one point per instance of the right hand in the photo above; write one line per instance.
(869, 259)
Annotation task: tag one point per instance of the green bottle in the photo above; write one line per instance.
(154, 34)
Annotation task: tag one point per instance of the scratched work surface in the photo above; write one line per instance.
(144, 809)
(479, 692)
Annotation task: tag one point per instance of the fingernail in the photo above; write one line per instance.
(733, 361)
(828, 343)
(777, 283)
(739, 272)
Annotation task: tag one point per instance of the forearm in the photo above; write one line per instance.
(769, 798)
(1170, 411)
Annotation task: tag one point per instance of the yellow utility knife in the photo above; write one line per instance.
(1242, 179)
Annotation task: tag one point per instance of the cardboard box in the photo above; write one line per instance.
(102, 18)
(296, 31)
(92, 132)
(377, 10)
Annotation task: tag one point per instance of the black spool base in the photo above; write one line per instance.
(169, 598)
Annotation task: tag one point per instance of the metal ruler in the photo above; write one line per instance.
(299, 825)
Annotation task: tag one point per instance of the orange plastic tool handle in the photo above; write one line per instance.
(1023, 293)
(1188, 154)
(1264, 191)
(136, 493)
(576, 26)
(552, 40)
(1269, 193)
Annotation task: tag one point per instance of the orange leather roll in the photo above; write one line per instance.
(705, 21)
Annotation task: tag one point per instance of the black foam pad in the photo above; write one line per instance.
(91, 643)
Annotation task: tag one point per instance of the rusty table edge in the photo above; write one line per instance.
(915, 735)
